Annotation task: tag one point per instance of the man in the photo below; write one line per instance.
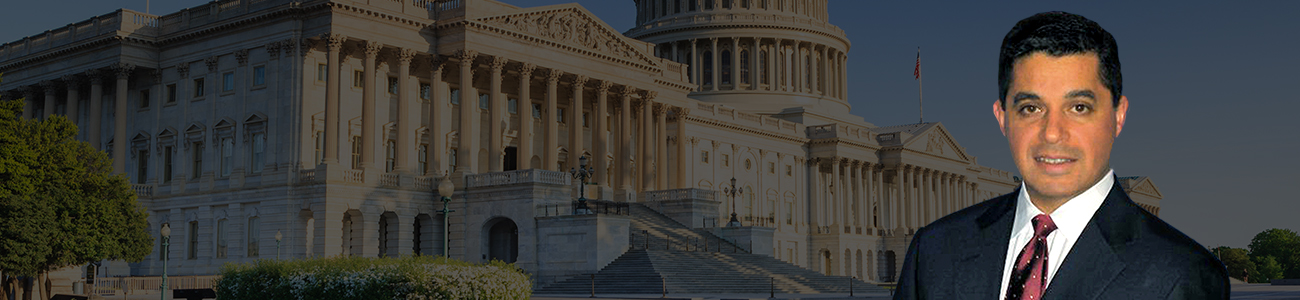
(1069, 231)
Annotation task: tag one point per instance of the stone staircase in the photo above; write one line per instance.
(675, 261)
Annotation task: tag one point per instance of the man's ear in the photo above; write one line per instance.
(1121, 112)
(998, 113)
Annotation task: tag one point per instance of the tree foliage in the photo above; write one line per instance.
(1237, 261)
(60, 204)
(1281, 244)
(1269, 269)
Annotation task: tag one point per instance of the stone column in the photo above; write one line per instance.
(29, 98)
(908, 205)
(815, 192)
(645, 145)
(695, 66)
(772, 54)
(467, 149)
(625, 126)
(93, 133)
(368, 113)
(405, 118)
(714, 64)
(123, 72)
(679, 114)
(673, 48)
(859, 194)
(871, 198)
(844, 76)
(799, 62)
(753, 65)
(735, 63)
(496, 116)
(661, 147)
(549, 118)
(335, 43)
(525, 115)
(439, 110)
(73, 83)
(836, 199)
(600, 134)
(575, 116)
(49, 86)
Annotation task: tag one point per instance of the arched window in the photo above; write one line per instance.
(708, 67)
(762, 66)
(744, 66)
(726, 67)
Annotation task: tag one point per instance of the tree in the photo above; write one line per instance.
(1269, 269)
(1236, 260)
(60, 204)
(1283, 245)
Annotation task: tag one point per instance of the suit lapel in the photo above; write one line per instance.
(1095, 260)
(981, 270)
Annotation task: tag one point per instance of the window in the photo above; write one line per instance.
(771, 168)
(392, 85)
(358, 78)
(483, 101)
(512, 105)
(726, 4)
(142, 167)
(789, 213)
(807, 71)
(322, 72)
(320, 146)
(253, 232)
(708, 4)
(171, 93)
(198, 87)
(356, 152)
(221, 238)
(144, 98)
(422, 159)
(451, 157)
(259, 150)
(708, 66)
(762, 66)
(584, 120)
(726, 67)
(193, 238)
(390, 155)
(167, 164)
(726, 160)
(744, 66)
(744, 3)
(748, 164)
(704, 157)
(789, 171)
(425, 88)
(537, 111)
(559, 115)
(227, 156)
(259, 75)
(196, 167)
(455, 96)
(228, 81)
(692, 5)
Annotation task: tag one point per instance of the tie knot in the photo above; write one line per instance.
(1043, 225)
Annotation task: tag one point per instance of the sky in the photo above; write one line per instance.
(1212, 106)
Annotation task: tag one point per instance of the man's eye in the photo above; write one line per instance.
(1028, 109)
(1081, 108)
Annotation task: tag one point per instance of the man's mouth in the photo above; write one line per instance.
(1053, 160)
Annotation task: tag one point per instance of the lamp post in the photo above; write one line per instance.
(732, 191)
(582, 173)
(166, 235)
(445, 189)
(278, 237)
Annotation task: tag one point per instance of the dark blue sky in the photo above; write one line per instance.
(1212, 114)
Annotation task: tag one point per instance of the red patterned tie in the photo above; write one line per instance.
(1029, 278)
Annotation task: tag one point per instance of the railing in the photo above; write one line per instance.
(517, 177)
(599, 207)
(649, 241)
(425, 183)
(354, 176)
(679, 194)
(142, 190)
(151, 284)
(390, 180)
(307, 175)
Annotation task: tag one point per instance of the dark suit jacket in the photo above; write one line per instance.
(1123, 253)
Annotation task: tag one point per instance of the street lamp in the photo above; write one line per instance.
(732, 191)
(582, 173)
(446, 188)
(278, 237)
(167, 236)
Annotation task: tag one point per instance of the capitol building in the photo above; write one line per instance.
(332, 123)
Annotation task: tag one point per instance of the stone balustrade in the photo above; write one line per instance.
(518, 177)
(680, 194)
(354, 176)
(307, 175)
(142, 190)
(389, 180)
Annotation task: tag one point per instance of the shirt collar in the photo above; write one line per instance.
(1072, 216)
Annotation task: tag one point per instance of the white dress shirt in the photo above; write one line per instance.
(1070, 219)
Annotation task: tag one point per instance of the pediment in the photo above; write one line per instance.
(935, 140)
(1145, 186)
(573, 28)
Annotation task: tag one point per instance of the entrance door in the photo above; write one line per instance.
(512, 159)
(503, 241)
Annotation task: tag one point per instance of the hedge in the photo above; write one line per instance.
(407, 277)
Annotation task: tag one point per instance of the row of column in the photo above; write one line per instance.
(72, 84)
(777, 65)
(853, 197)
(929, 194)
(651, 9)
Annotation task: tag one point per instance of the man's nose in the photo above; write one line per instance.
(1054, 130)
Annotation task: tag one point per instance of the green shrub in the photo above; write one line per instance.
(407, 277)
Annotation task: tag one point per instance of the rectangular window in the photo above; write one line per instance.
(584, 120)
(537, 111)
(142, 167)
(259, 75)
(320, 146)
(390, 156)
(167, 164)
(512, 105)
(322, 72)
(144, 98)
(171, 93)
(198, 87)
(228, 81)
(193, 238)
(451, 157)
(259, 150)
(559, 115)
(771, 168)
(253, 232)
(227, 156)
(704, 156)
(455, 96)
(789, 171)
(221, 238)
(726, 160)
(196, 166)
(358, 79)
(392, 85)
(483, 101)
(789, 213)
(422, 159)
(356, 152)
(425, 89)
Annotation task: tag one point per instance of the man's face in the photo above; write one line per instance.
(1060, 123)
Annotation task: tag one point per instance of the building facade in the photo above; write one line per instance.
(330, 122)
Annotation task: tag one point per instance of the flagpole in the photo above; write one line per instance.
(919, 95)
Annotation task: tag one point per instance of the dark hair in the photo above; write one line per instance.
(1058, 34)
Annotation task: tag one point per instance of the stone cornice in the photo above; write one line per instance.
(468, 24)
(730, 126)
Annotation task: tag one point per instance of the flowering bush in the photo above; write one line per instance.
(407, 277)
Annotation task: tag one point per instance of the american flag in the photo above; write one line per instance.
(917, 72)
